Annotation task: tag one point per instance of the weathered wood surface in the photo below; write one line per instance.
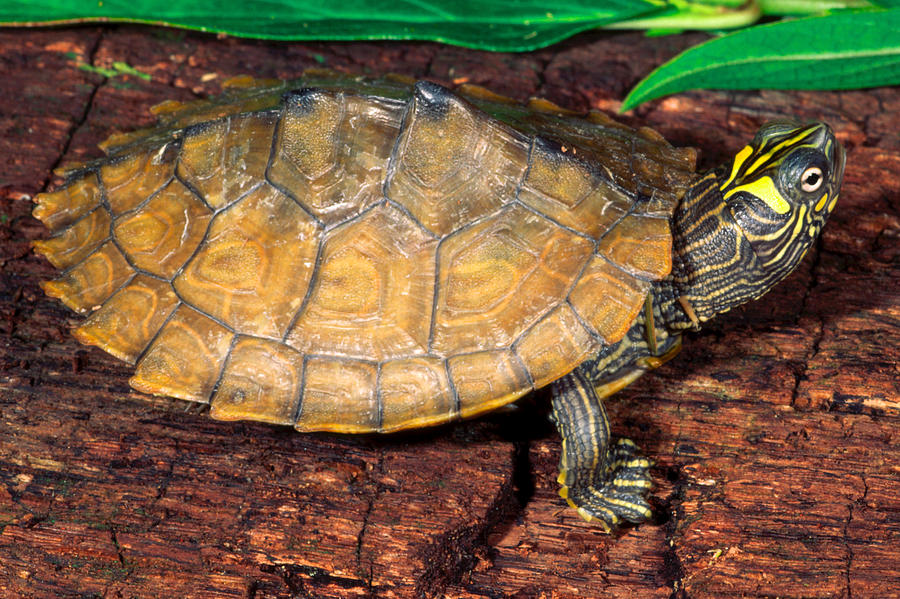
(775, 432)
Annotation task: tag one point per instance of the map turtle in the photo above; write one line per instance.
(352, 255)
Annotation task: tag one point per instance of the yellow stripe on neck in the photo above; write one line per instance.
(738, 162)
(763, 188)
(789, 245)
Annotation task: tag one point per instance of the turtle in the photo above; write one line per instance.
(355, 255)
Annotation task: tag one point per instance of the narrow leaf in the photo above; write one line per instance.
(485, 24)
(838, 51)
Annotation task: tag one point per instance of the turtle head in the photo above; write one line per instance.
(780, 189)
(746, 225)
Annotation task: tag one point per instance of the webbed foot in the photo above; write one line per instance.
(619, 496)
(606, 484)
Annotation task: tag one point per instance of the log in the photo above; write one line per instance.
(774, 434)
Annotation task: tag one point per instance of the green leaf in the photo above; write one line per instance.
(485, 24)
(839, 51)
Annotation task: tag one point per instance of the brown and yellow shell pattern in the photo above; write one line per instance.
(357, 256)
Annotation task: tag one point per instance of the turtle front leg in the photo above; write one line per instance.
(605, 483)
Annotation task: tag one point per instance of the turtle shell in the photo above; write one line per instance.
(351, 255)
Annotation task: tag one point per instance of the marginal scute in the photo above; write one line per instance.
(332, 151)
(373, 292)
(130, 180)
(608, 298)
(63, 207)
(87, 285)
(127, 322)
(487, 380)
(161, 235)
(563, 187)
(545, 105)
(74, 244)
(640, 244)
(185, 359)
(261, 381)
(499, 277)
(555, 346)
(339, 395)
(224, 159)
(253, 269)
(415, 392)
(454, 164)
(477, 92)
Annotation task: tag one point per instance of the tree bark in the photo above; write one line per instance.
(775, 433)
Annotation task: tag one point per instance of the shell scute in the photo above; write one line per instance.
(224, 159)
(415, 392)
(261, 381)
(339, 395)
(162, 234)
(453, 163)
(332, 150)
(558, 343)
(129, 320)
(89, 283)
(563, 187)
(608, 298)
(61, 208)
(498, 277)
(640, 244)
(488, 379)
(185, 359)
(253, 268)
(373, 292)
(130, 180)
(77, 242)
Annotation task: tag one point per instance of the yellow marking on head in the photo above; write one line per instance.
(763, 188)
(738, 162)
(821, 203)
(832, 203)
(768, 155)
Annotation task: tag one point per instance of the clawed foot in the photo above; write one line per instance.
(617, 493)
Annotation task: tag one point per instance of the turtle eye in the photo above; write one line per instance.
(811, 179)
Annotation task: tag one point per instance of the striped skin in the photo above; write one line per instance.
(604, 484)
(744, 227)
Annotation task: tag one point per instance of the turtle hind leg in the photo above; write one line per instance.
(605, 483)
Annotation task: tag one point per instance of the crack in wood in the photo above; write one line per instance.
(372, 499)
(848, 568)
(84, 113)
